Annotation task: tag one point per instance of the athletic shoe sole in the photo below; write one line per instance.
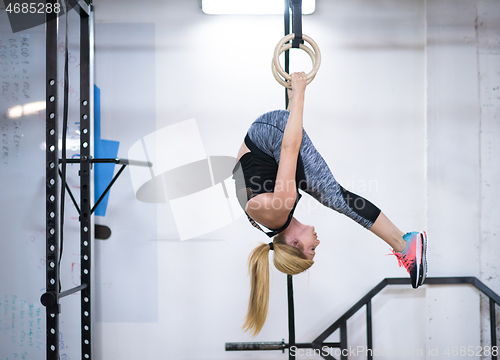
(423, 260)
(418, 262)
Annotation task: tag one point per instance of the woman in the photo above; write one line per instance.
(276, 159)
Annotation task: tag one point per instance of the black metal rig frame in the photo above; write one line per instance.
(341, 323)
(53, 294)
(50, 299)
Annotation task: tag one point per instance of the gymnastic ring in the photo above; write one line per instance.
(284, 82)
(315, 57)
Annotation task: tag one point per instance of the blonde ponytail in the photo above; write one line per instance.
(287, 259)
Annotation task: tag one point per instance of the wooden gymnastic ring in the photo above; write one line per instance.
(284, 82)
(315, 55)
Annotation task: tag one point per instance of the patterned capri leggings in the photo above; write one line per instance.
(313, 174)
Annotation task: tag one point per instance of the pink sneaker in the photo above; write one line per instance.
(413, 257)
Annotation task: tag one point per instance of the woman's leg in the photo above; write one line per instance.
(387, 231)
(410, 248)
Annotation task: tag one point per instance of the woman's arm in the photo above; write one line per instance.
(292, 138)
(285, 191)
(272, 211)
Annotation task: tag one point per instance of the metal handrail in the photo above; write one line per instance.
(341, 322)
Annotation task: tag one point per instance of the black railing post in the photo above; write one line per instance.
(291, 318)
(343, 341)
(493, 329)
(369, 337)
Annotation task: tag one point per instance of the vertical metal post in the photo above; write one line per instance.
(369, 337)
(343, 341)
(85, 185)
(291, 317)
(493, 330)
(287, 52)
(51, 187)
(291, 310)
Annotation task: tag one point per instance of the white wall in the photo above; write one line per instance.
(453, 144)
(489, 80)
(462, 119)
(400, 115)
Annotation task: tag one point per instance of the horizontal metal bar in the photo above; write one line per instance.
(265, 345)
(137, 163)
(114, 161)
(472, 280)
(72, 291)
(276, 345)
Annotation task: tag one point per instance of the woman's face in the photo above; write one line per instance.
(304, 238)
